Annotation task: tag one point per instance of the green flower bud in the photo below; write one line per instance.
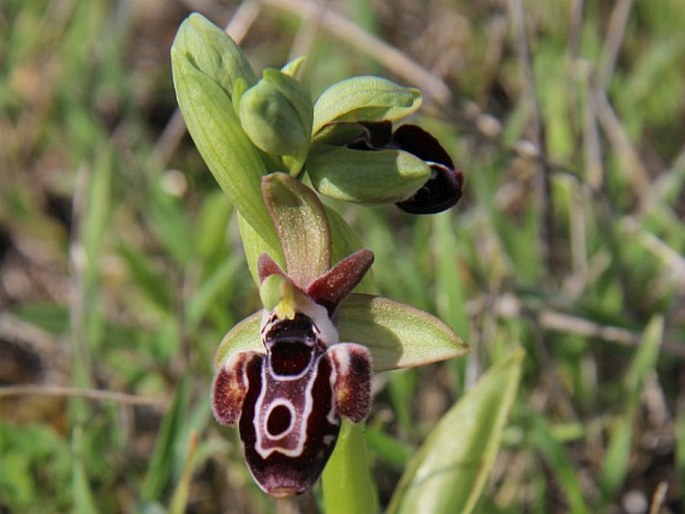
(366, 99)
(368, 177)
(276, 113)
(211, 51)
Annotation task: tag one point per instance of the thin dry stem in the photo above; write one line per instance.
(509, 306)
(537, 129)
(80, 392)
(614, 40)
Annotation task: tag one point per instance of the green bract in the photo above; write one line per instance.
(276, 113)
(206, 66)
(364, 98)
(383, 176)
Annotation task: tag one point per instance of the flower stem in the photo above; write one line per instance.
(347, 482)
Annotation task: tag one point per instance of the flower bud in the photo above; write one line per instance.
(276, 113)
(376, 177)
(364, 99)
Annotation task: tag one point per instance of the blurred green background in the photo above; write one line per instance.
(121, 266)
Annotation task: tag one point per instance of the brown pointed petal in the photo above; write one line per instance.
(302, 227)
(267, 266)
(338, 282)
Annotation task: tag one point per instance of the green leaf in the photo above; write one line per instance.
(615, 463)
(243, 336)
(161, 464)
(215, 128)
(364, 98)
(378, 177)
(302, 227)
(397, 335)
(204, 297)
(179, 500)
(448, 473)
(84, 503)
(347, 483)
(561, 465)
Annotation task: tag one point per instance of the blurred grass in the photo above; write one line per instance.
(121, 267)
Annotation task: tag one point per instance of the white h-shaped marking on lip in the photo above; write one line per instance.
(303, 420)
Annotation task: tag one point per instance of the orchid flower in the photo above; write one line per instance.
(289, 373)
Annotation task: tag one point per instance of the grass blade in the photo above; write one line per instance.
(448, 473)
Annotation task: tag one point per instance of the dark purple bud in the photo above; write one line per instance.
(444, 189)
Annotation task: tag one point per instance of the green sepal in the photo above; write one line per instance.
(372, 178)
(449, 471)
(397, 335)
(364, 98)
(204, 100)
(243, 336)
(302, 227)
(276, 113)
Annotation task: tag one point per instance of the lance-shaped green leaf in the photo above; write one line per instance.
(243, 336)
(213, 52)
(276, 114)
(364, 98)
(378, 177)
(302, 227)
(449, 472)
(396, 334)
(214, 126)
(347, 482)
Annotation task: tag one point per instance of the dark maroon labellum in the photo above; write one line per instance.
(289, 400)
